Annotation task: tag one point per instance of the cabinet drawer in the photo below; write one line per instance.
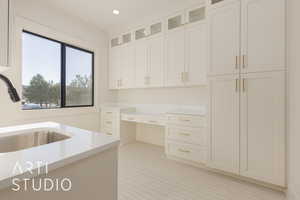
(187, 120)
(189, 135)
(108, 115)
(130, 118)
(108, 131)
(108, 124)
(154, 120)
(186, 151)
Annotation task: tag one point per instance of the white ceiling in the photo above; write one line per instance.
(99, 12)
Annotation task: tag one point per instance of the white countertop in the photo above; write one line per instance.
(159, 109)
(82, 144)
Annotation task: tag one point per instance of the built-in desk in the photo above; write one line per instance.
(145, 118)
(184, 130)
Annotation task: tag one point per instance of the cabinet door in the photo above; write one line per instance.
(224, 123)
(196, 47)
(175, 21)
(263, 127)
(4, 39)
(224, 39)
(127, 66)
(175, 57)
(156, 64)
(141, 62)
(263, 35)
(114, 68)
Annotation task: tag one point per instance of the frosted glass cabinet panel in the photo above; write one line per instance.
(196, 15)
(215, 1)
(175, 21)
(156, 28)
(126, 38)
(141, 33)
(114, 42)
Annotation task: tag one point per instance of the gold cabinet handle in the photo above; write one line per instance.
(244, 61)
(184, 151)
(151, 121)
(244, 85)
(236, 62)
(109, 133)
(182, 78)
(237, 84)
(185, 120)
(109, 113)
(130, 118)
(108, 122)
(185, 134)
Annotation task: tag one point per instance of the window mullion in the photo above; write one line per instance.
(63, 75)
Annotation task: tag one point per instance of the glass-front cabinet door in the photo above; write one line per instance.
(176, 21)
(115, 42)
(141, 33)
(156, 28)
(126, 38)
(195, 14)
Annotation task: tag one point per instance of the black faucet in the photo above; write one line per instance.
(14, 96)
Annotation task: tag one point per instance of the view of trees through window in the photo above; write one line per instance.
(55, 75)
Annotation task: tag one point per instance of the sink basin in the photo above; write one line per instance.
(29, 140)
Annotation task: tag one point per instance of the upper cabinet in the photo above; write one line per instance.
(169, 52)
(263, 35)
(246, 36)
(4, 33)
(185, 48)
(149, 57)
(224, 39)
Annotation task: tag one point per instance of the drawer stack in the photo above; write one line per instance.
(109, 121)
(186, 137)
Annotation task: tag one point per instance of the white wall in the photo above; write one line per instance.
(194, 96)
(37, 13)
(294, 98)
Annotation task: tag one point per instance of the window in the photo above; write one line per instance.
(55, 74)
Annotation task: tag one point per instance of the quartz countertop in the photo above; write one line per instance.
(80, 145)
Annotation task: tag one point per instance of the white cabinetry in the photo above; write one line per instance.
(170, 53)
(186, 137)
(4, 34)
(175, 57)
(247, 89)
(186, 48)
(258, 24)
(127, 66)
(263, 35)
(122, 63)
(262, 126)
(149, 62)
(224, 123)
(111, 123)
(224, 39)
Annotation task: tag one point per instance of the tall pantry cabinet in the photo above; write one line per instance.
(247, 88)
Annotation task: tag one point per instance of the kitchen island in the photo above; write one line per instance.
(81, 165)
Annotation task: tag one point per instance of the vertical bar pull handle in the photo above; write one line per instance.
(236, 62)
(237, 85)
(244, 85)
(244, 61)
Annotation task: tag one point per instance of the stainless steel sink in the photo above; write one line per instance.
(29, 140)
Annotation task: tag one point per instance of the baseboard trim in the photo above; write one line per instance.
(234, 176)
(292, 193)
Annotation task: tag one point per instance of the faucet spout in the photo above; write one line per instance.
(13, 94)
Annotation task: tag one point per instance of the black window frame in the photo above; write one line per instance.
(63, 66)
